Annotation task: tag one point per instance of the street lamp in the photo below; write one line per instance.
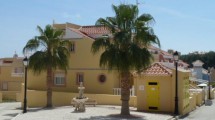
(175, 57)
(209, 79)
(25, 62)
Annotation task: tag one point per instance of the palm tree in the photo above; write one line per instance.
(54, 54)
(126, 49)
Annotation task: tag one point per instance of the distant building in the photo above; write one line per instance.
(199, 72)
(11, 77)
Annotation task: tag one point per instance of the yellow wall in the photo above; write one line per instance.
(9, 95)
(81, 61)
(91, 82)
(192, 102)
(18, 97)
(82, 57)
(33, 101)
(0, 97)
(165, 92)
(102, 99)
(183, 90)
(8, 76)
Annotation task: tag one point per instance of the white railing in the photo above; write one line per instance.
(17, 74)
(117, 91)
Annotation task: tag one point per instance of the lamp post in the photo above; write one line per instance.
(209, 79)
(175, 57)
(25, 62)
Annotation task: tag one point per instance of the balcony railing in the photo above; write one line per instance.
(117, 91)
(17, 74)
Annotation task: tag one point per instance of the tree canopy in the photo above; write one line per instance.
(127, 47)
(207, 58)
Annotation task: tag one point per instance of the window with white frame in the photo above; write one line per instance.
(59, 79)
(79, 78)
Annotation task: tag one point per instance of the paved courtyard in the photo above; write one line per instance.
(9, 110)
(99, 112)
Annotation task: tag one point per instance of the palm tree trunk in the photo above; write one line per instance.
(49, 87)
(125, 93)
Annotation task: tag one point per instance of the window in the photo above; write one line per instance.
(59, 79)
(152, 83)
(79, 78)
(72, 47)
(18, 70)
(102, 78)
(4, 86)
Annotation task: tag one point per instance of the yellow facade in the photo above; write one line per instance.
(153, 93)
(11, 77)
(183, 91)
(160, 95)
(82, 61)
(163, 100)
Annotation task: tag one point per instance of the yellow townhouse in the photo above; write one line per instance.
(104, 85)
(11, 77)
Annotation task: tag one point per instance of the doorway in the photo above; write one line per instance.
(153, 93)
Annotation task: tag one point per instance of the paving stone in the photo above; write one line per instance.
(100, 112)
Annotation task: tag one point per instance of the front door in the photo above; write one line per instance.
(153, 94)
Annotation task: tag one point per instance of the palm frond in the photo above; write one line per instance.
(31, 45)
(54, 53)
(100, 43)
(132, 35)
(38, 62)
(146, 18)
(40, 30)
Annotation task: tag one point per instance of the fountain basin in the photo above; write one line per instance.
(80, 104)
(79, 100)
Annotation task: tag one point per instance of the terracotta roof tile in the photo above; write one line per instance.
(94, 30)
(161, 51)
(157, 69)
(80, 33)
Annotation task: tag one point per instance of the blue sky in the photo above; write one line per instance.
(183, 25)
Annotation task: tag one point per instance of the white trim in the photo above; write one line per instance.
(61, 79)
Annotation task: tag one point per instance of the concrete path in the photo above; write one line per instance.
(92, 113)
(205, 112)
(9, 110)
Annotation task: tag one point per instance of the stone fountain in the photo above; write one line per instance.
(80, 100)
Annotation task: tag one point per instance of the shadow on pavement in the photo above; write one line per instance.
(183, 116)
(77, 111)
(115, 117)
(38, 109)
(11, 115)
(208, 102)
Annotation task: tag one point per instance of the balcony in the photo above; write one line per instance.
(17, 74)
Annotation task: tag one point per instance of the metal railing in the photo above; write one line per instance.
(117, 91)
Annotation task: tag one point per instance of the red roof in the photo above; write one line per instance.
(94, 30)
(161, 51)
(157, 69)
